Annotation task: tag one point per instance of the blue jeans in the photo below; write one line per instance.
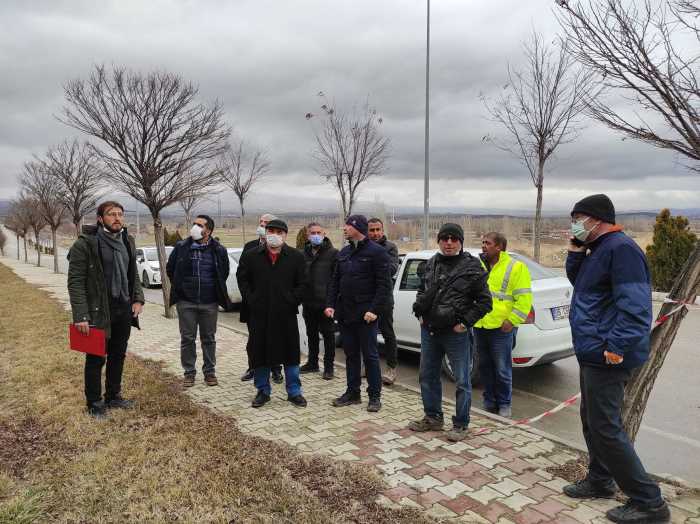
(457, 347)
(495, 365)
(292, 382)
(360, 342)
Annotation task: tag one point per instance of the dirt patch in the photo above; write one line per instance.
(21, 443)
(571, 471)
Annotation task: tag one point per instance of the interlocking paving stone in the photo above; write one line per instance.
(497, 477)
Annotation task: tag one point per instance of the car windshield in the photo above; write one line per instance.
(151, 254)
(537, 271)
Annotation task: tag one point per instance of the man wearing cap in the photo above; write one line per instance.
(357, 293)
(272, 280)
(251, 244)
(610, 318)
(452, 297)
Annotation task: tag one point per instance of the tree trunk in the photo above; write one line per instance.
(162, 259)
(55, 250)
(537, 233)
(243, 220)
(685, 289)
(76, 224)
(38, 250)
(26, 256)
(188, 219)
(18, 250)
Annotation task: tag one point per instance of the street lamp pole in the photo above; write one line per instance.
(426, 182)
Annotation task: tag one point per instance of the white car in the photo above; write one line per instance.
(234, 255)
(543, 338)
(148, 266)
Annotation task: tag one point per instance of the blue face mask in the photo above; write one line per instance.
(579, 231)
(316, 240)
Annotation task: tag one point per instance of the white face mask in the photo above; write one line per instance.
(260, 231)
(273, 240)
(196, 232)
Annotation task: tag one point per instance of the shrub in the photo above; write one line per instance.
(673, 242)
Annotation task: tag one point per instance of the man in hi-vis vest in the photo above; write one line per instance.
(509, 283)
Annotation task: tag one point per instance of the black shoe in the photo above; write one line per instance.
(585, 489)
(631, 512)
(328, 375)
(346, 399)
(260, 399)
(97, 409)
(374, 405)
(277, 377)
(491, 409)
(298, 400)
(248, 375)
(308, 368)
(119, 403)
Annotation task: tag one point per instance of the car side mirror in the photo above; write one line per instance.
(140, 260)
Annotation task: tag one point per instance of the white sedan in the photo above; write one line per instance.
(234, 255)
(543, 338)
(148, 266)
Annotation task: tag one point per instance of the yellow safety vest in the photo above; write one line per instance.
(510, 286)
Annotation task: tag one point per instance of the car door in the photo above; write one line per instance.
(406, 325)
(139, 261)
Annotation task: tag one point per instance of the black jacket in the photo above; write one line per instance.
(361, 282)
(244, 311)
(453, 290)
(273, 294)
(393, 252)
(319, 270)
(179, 269)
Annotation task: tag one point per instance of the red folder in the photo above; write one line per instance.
(94, 343)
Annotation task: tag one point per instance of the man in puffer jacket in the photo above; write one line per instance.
(453, 296)
(610, 320)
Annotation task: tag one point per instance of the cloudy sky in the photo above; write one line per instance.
(266, 61)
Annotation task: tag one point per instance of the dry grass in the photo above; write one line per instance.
(167, 460)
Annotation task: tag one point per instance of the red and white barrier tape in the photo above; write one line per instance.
(664, 318)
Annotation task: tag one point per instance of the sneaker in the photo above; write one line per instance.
(210, 380)
(490, 409)
(277, 377)
(188, 381)
(389, 376)
(297, 400)
(505, 412)
(97, 410)
(346, 399)
(631, 512)
(374, 405)
(457, 433)
(328, 375)
(119, 402)
(585, 489)
(260, 399)
(426, 424)
(248, 375)
(308, 368)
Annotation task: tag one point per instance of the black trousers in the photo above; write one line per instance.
(316, 322)
(277, 369)
(116, 352)
(611, 454)
(386, 328)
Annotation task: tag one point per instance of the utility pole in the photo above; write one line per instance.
(426, 182)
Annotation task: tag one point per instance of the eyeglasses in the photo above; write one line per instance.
(445, 238)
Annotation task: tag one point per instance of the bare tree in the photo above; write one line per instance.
(188, 203)
(19, 222)
(31, 208)
(3, 242)
(38, 180)
(350, 149)
(76, 168)
(540, 110)
(155, 140)
(241, 169)
(635, 49)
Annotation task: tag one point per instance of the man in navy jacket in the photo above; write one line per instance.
(610, 320)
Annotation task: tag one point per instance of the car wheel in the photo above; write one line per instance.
(447, 369)
(145, 282)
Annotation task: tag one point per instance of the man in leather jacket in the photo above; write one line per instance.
(453, 296)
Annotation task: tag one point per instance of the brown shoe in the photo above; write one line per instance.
(426, 424)
(210, 380)
(188, 381)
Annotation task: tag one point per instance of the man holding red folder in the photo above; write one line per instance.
(105, 293)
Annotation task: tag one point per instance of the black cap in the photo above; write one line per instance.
(278, 224)
(451, 229)
(359, 222)
(596, 206)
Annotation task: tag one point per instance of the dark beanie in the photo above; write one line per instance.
(596, 206)
(359, 222)
(452, 229)
(278, 224)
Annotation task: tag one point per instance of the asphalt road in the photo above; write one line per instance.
(669, 440)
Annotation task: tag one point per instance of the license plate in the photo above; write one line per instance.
(560, 312)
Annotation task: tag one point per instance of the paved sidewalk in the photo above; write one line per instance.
(498, 477)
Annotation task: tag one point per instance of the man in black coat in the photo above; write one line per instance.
(272, 279)
(358, 292)
(320, 258)
(198, 268)
(386, 318)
